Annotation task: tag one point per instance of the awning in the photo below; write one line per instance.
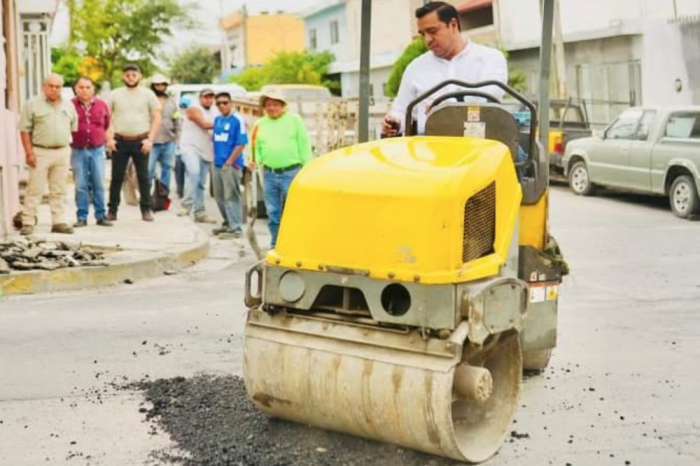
(472, 5)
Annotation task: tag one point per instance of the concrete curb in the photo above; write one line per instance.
(71, 279)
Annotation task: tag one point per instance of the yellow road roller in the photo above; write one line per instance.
(414, 279)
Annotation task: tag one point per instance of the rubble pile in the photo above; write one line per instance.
(39, 254)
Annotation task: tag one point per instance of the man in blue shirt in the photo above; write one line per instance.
(230, 138)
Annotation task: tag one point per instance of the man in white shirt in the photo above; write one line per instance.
(451, 56)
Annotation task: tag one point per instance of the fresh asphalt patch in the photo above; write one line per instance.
(213, 423)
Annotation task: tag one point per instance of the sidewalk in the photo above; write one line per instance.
(133, 248)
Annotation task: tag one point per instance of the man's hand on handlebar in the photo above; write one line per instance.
(391, 125)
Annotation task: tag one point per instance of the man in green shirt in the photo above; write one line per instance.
(45, 129)
(281, 145)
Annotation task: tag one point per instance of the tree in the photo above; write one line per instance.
(196, 64)
(66, 62)
(288, 68)
(414, 50)
(114, 32)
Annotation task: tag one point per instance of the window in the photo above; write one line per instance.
(477, 16)
(683, 126)
(645, 125)
(313, 44)
(625, 127)
(335, 35)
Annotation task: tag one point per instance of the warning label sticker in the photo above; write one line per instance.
(538, 294)
(475, 130)
(473, 114)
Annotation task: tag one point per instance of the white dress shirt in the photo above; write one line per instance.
(473, 64)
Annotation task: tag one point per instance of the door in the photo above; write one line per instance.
(609, 162)
(639, 174)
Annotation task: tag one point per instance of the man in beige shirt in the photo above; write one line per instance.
(45, 128)
(135, 121)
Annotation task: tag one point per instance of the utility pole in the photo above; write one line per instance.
(365, 37)
(561, 83)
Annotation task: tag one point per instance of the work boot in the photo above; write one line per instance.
(184, 211)
(147, 216)
(26, 230)
(62, 228)
(103, 222)
(111, 216)
(203, 218)
(80, 224)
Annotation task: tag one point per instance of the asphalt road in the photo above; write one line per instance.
(621, 389)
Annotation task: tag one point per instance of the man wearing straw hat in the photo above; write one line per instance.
(281, 145)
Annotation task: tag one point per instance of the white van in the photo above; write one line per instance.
(191, 91)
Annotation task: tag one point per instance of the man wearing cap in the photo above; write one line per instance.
(197, 152)
(88, 152)
(281, 145)
(168, 133)
(135, 121)
(45, 129)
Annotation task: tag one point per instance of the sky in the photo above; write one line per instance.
(208, 14)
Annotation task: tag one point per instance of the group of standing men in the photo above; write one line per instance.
(58, 134)
(144, 126)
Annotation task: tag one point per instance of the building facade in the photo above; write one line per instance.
(616, 54)
(251, 40)
(25, 60)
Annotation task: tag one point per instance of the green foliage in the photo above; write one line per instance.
(288, 68)
(410, 53)
(65, 61)
(114, 32)
(196, 64)
(516, 77)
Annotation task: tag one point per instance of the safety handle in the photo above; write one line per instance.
(254, 299)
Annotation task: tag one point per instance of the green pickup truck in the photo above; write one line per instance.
(652, 150)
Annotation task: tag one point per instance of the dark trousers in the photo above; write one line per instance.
(120, 159)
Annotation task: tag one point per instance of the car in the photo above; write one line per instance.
(568, 121)
(651, 150)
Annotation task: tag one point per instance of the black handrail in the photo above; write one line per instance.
(455, 82)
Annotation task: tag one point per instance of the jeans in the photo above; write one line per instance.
(226, 181)
(89, 171)
(276, 190)
(165, 154)
(195, 181)
(120, 158)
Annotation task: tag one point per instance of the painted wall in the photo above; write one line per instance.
(11, 155)
(269, 34)
(677, 47)
(350, 82)
(321, 23)
(397, 14)
(520, 19)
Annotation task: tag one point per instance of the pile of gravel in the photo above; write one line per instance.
(39, 254)
(214, 424)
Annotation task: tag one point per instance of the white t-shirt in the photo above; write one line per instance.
(196, 140)
(473, 64)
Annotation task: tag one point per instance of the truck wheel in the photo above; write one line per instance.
(536, 360)
(684, 196)
(580, 181)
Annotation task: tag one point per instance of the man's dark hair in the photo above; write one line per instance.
(84, 78)
(445, 12)
(223, 94)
